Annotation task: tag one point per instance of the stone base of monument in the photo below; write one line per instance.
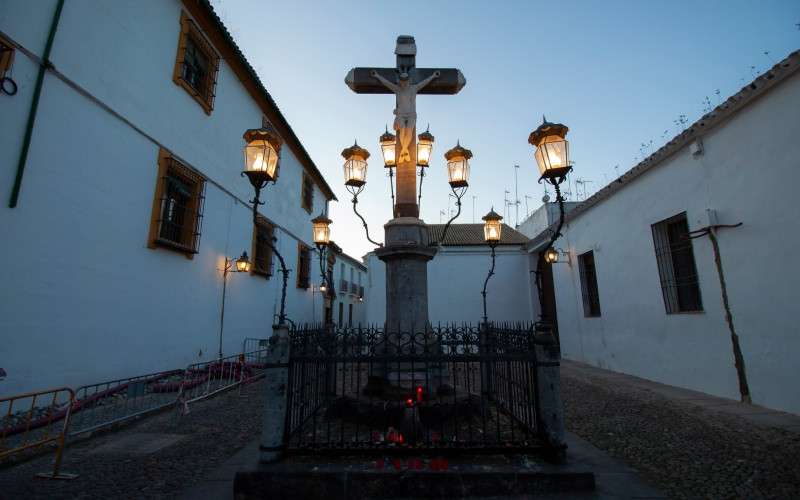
(409, 476)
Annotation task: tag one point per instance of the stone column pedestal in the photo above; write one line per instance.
(274, 435)
(549, 410)
(406, 254)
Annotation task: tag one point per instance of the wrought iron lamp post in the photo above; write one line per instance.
(491, 234)
(355, 174)
(261, 166)
(552, 157)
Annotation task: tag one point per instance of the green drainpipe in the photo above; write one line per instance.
(34, 105)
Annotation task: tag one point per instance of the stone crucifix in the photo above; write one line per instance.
(405, 81)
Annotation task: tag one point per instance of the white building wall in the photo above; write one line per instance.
(84, 300)
(748, 173)
(455, 281)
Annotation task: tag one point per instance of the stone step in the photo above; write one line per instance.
(411, 477)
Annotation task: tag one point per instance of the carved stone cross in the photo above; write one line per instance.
(405, 81)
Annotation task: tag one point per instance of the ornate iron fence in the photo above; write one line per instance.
(364, 391)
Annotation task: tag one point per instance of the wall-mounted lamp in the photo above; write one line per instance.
(242, 264)
(551, 256)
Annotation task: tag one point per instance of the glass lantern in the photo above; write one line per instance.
(424, 148)
(322, 231)
(243, 264)
(261, 155)
(492, 228)
(355, 166)
(552, 151)
(458, 166)
(387, 148)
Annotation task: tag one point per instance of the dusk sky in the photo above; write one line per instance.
(620, 74)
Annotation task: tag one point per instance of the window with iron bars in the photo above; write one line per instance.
(6, 56)
(303, 266)
(589, 292)
(197, 64)
(262, 253)
(177, 207)
(676, 265)
(308, 193)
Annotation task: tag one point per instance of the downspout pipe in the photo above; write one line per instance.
(45, 64)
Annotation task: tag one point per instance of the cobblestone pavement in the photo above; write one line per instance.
(686, 450)
(126, 464)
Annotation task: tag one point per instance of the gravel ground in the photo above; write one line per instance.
(685, 450)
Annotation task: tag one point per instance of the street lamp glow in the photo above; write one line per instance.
(243, 264)
(261, 155)
(424, 148)
(322, 231)
(355, 165)
(388, 148)
(492, 227)
(458, 166)
(551, 256)
(552, 151)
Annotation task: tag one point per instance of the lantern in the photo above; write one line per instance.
(261, 155)
(243, 264)
(424, 148)
(355, 166)
(387, 148)
(492, 227)
(457, 166)
(552, 151)
(322, 232)
(551, 255)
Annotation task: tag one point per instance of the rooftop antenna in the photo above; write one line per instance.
(516, 195)
(527, 211)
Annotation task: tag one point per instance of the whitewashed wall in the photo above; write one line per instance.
(83, 298)
(455, 282)
(748, 173)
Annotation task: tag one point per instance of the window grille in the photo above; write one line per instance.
(179, 206)
(676, 265)
(262, 260)
(589, 291)
(197, 64)
(303, 266)
(308, 193)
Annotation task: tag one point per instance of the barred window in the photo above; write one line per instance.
(196, 65)
(303, 266)
(589, 292)
(177, 207)
(676, 266)
(6, 56)
(308, 193)
(262, 253)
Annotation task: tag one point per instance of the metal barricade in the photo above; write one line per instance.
(33, 426)
(205, 379)
(106, 403)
